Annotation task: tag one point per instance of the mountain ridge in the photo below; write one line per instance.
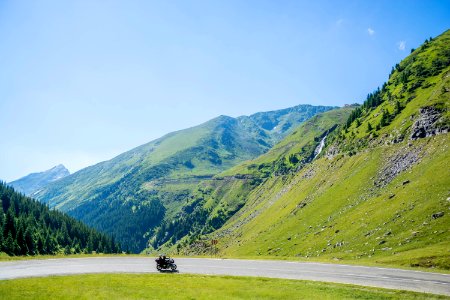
(33, 182)
(129, 184)
(377, 190)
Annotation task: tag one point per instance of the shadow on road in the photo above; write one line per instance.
(168, 271)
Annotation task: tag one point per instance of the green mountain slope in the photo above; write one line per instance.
(133, 193)
(296, 149)
(28, 227)
(217, 199)
(375, 192)
(34, 182)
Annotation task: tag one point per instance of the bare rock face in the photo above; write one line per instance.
(428, 123)
(393, 165)
(332, 151)
(438, 215)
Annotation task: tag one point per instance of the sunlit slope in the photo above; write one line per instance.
(297, 147)
(333, 209)
(377, 192)
(131, 194)
(81, 186)
(216, 200)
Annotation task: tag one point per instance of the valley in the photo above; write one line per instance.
(126, 196)
(225, 149)
(362, 182)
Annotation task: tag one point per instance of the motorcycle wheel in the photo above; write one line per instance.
(173, 267)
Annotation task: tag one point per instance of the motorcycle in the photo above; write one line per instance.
(165, 263)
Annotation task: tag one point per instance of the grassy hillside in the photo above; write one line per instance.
(376, 192)
(345, 216)
(217, 199)
(297, 147)
(133, 193)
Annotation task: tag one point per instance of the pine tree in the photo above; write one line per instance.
(398, 108)
(9, 224)
(90, 244)
(20, 240)
(8, 246)
(385, 118)
(29, 242)
(40, 245)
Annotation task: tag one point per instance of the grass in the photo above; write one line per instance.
(343, 207)
(176, 286)
(134, 180)
(336, 209)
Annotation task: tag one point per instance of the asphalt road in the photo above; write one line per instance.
(368, 276)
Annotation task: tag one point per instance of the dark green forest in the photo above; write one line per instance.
(28, 227)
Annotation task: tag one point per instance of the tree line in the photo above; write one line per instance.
(413, 71)
(28, 227)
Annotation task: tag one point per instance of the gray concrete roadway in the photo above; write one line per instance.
(368, 276)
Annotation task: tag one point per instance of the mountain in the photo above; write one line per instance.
(132, 194)
(217, 199)
(28, 227)
(34, 182)
(370, 185)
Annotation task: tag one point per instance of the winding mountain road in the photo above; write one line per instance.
(368, 276)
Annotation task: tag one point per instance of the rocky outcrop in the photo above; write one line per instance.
(428, 123)
(438, 215)
(332, 151)
(402, 160)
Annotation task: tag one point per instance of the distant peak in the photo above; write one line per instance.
(36, 181)
(60, 166)
(222, 119)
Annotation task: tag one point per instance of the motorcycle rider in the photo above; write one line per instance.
(164, 262)
(161, 260)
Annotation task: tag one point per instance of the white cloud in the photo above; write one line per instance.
(401, 45)
(370, 31)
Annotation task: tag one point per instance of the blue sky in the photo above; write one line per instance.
(83, 81)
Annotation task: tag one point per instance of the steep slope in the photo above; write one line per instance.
(34, 182)
(134, 192)
(215, 200)
(296, 149)
(28, 227)
(376, 192)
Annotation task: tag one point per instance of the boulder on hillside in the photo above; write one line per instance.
(437, 215)
(428, 123)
